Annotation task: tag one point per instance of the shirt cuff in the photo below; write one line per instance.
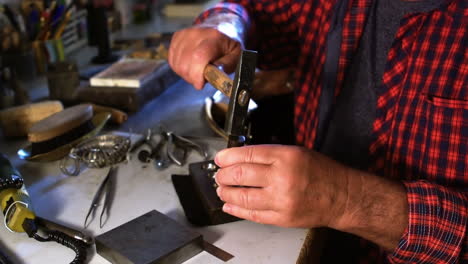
(230, 19)
(436, 225)
(224, 8)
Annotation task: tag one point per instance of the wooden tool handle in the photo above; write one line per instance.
(117, 116)
(218, 79)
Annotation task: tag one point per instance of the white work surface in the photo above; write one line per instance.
(139, 189)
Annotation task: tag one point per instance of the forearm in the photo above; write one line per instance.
(375, 209)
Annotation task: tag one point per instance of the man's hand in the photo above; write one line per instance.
(193, 48)
(293, 187)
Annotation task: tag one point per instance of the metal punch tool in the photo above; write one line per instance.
(155, 151)
(107, 189)
(161, 160)
(145, 155)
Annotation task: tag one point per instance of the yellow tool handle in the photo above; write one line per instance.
(16, 207)
(15, 203)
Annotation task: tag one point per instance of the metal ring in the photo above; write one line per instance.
(64, 168)
(97, 152)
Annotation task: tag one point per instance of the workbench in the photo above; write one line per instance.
(66, 199)
(140, 189)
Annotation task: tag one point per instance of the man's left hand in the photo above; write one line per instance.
(281, 185)
(293, 187)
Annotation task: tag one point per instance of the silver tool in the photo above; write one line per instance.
(171, 148)
(107, 189)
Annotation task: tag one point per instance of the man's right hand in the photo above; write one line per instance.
(193, 48)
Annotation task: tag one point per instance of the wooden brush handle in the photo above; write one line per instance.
(117, 116)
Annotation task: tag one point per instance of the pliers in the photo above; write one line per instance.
(170, 148)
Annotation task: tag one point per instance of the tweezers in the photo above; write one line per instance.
(106, 188)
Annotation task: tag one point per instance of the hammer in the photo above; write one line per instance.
(238, 91)
(197, 191)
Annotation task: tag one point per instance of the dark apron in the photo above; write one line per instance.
(345, 123)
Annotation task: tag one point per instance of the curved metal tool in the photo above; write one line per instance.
(178, 147)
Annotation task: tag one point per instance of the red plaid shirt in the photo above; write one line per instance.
(420, 134)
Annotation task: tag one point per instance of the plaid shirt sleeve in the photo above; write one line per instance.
(438, 219)
(277, 45)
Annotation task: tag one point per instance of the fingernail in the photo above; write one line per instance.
(218, 191)
(219, 156)
(226, 208)
(214, 177)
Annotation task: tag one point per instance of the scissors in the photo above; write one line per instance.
(107, 189)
